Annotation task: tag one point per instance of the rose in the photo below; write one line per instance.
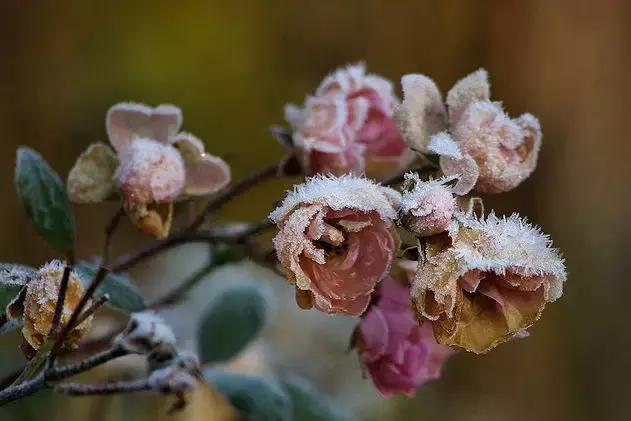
(336, 241)
(397, 353)
(348, 126)
(152, 166)
(476, 140)
(488, 283)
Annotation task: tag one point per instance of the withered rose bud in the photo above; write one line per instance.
(152, 166)
(336, 241)
(40, 302)
(487, 281)
(396, 352)
(147, 333)
(348, 126)
(426, 206)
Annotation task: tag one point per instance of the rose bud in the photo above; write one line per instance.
(41, 299)
(426, 206)
(348, 126)
(396, 352)
(152, 166)
(336, 241)
(488, 283)
(147, 333)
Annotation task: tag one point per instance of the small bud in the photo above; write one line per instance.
(40, 302)
(146, 333)
(426, 206)
(172, 379)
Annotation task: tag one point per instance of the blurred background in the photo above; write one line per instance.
(231, 66)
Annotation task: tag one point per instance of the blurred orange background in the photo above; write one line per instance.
(231, 66)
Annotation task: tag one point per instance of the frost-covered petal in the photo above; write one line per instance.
(128, 120)
(358, 193)
(91, 179)
(205, 173)
(422, 112)
(471, 88)
(454, 163)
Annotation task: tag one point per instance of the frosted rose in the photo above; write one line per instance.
(348, 126)
(426, 206)
(152, 165)
(487, 281)
(336, 241)
(476, 141)
(397, 353)
(40, 302)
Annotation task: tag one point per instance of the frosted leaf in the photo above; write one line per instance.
(422, 112)
(91, 179)
(340, 193)
(205, 173)
(471, 88)
(128, 120)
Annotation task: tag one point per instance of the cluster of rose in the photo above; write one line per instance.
(468, 281)
(423, 268)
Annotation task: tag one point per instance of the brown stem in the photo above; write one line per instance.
(90, 310)
(109, 233)
(61, 298)
(234, 190)
(79, 389)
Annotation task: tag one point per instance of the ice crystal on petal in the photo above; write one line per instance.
(426, 206)
(338, 193)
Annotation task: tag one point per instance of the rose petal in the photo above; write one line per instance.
(127, 120)
(474, 87)
(205, 173)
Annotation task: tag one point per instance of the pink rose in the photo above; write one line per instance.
(336, 241)
(397, 353)
(348, 126)
(475, 139)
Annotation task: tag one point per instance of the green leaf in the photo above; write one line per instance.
(255, 397)
(10, 325)
(233, 318)
(44, 199)
(309, 404)
(12, 279)
(123, 294)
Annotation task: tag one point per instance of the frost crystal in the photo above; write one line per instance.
(339, 193)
